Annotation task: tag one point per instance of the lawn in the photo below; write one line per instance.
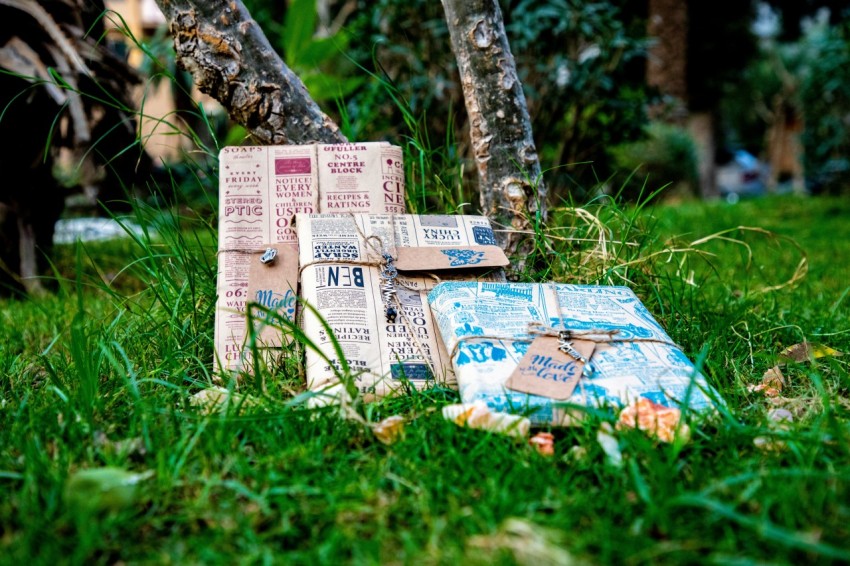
(100, 373)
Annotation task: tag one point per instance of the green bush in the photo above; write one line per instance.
(665, 161)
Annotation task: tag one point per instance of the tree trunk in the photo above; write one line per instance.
(701, 127)
(667, 70)
(511, 187)
(231, 59)
(666, 64)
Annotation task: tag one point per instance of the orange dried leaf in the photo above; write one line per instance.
(655, 419)
(771, 384)
(478, 415)
(390, 429)
(774, 378)
(544, 443)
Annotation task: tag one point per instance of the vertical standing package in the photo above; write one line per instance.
(515, 346)
(367, 276)
(261, 189)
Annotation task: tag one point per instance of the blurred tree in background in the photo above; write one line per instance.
(585, 70)
(384, 69)
(580, 64)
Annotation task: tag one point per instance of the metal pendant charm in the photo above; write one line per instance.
(388, 276)
(268, 256)
(566, 346)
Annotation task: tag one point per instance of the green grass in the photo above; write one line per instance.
(100, 374)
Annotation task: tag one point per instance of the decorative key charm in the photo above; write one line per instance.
(388, 276)
(566, 346)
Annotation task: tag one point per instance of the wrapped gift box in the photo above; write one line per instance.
(345, 260)
(261, 189)
(488, 329)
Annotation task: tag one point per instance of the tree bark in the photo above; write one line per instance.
(510, 183)
(666, 64)
(231, 59)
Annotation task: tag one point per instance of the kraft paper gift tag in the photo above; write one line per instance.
(547, 371)
(273, 286)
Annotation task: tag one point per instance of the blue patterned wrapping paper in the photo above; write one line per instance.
(470, 316)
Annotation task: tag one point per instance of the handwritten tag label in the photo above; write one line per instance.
(547, 371)
(273, 286)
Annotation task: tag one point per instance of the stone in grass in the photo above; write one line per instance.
(108, 489)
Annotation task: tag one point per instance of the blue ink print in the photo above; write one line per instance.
(483, 236)
(462, 358)
(481, 352)
(520, 348)
(596, 394)
(464, 257)
(678, 360)
(657, 397)
(469, 330)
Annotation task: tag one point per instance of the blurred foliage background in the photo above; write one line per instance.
(766, 77)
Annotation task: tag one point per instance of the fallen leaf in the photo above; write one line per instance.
(577, 454)
(771, 384)
(390, 429)
(544, 443)
(334, 396)
(778, 419)
(769, 444)
(807, 351)
(127, 446)
(528, 543)
(215, 398)
(763, 388)
(103, 489)
(658, 420)
(780, 416)
(774, 378)
(610, 445)
(478, 415)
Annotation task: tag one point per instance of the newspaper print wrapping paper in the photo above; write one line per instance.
(340, 278)
(622, 370)
(261, 188)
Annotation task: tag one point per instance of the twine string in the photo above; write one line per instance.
(536, 329)
(565, 336)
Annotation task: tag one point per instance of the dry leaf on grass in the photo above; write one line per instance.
(780, 416)
(656, 419)
(527, 542)
(771, 384)
(779, 419)
(390, 429)
(103, 489)
(544, 443)
(478, 415)
(387, 431)
(807, 352)
(215, 398)
(773, 381)
(610, 445)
